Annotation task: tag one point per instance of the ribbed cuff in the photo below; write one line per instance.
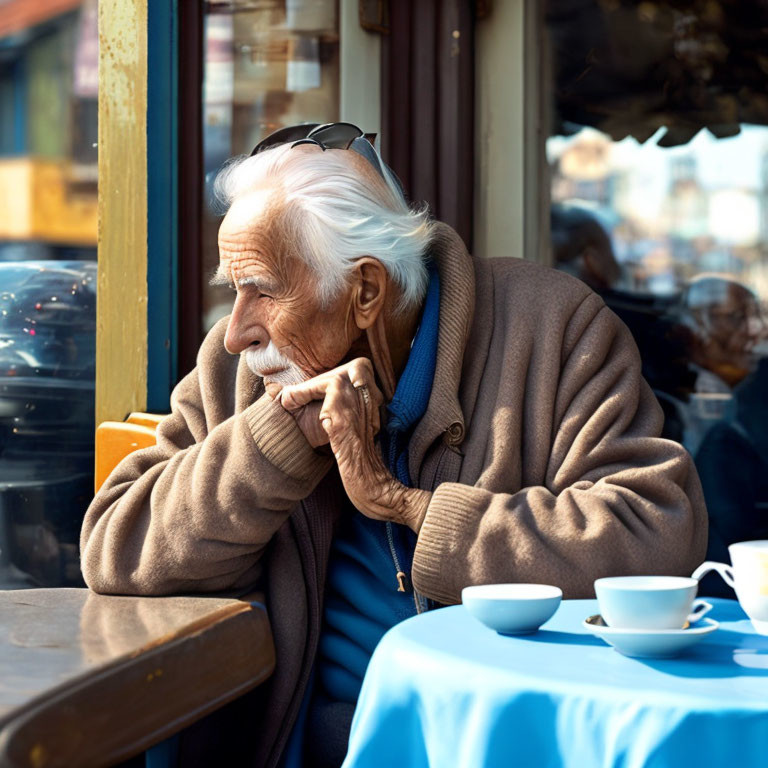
(278, 437)
(449, 527)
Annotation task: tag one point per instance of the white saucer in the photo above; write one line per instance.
(650, 643)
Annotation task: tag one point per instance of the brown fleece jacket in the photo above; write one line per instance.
(541, 445)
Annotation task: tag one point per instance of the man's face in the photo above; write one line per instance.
(276, 309)
(729, 325)
(734, 323)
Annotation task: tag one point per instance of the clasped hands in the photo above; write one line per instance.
(341, 408)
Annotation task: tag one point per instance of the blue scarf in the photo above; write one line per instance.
(414, 388)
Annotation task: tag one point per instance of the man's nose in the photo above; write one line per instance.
(244, 329)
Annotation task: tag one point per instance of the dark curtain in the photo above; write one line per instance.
(428, 105)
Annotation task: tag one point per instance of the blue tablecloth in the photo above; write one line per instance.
(444, 691)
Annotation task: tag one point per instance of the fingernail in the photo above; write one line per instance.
(326, 424)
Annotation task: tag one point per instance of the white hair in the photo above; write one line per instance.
(335, 214)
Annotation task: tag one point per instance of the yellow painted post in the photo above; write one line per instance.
(121, 336)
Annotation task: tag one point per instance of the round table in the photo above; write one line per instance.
(443, 690)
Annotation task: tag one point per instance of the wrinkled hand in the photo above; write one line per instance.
(344, 403)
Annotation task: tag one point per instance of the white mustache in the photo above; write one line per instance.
(260, 360)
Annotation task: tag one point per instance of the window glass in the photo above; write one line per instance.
(267, 65)
(48, 233)
(658, 161)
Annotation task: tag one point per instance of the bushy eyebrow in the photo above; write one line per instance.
(221, 278)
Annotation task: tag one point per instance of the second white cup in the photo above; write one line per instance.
(649, 602)
(748, 576)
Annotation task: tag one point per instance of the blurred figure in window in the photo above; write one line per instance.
(582, 247)
(726, 323)
(720, 322)
(699, 356)
(733, 455)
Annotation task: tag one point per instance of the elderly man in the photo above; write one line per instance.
(380, 422)
(727, 323)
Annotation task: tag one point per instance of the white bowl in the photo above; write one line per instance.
(512, 609)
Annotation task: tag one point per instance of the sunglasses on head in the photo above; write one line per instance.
(331, 136)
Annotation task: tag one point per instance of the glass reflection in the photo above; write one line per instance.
(658, 160)
(48, 234)
(267, 65)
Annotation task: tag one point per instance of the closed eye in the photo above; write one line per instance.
(255, 292)
(257, 286)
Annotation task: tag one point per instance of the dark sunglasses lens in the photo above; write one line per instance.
(336, 135)
(284, 135)
(308, 141)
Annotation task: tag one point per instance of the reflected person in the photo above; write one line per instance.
(733, 455)
(581, 247)
(726, 322)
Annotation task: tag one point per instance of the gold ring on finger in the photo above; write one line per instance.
(363, 389)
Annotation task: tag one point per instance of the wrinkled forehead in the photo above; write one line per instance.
(248, 236)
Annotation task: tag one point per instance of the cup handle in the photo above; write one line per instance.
(700, 609)
(726, 571)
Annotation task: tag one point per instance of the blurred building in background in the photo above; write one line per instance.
(48, 129)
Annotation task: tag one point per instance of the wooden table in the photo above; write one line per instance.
(90, 679)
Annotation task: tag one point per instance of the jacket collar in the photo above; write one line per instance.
(457, 304)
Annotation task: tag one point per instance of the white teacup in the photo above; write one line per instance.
(748, 576)
(649, 602)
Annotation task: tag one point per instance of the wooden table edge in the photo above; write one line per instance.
(191, 672)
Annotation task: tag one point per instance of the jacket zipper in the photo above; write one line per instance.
(402, 578)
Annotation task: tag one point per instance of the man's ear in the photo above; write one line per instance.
(369, 294)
